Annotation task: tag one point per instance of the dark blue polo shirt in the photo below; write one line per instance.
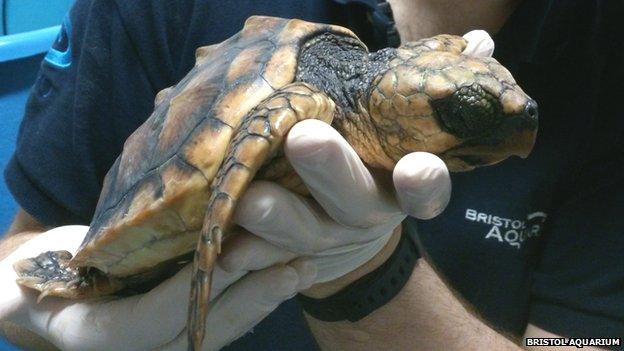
(527, 241)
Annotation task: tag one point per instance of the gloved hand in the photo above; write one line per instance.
(353, 213)
(155, 320)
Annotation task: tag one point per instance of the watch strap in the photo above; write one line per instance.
(371, 291)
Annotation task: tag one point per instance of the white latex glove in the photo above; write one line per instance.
(480, 44)
(155, 320)
(354, 215)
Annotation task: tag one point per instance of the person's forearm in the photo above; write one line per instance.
(425, 315)
(23, 228)
(11, 241)
(24, 338)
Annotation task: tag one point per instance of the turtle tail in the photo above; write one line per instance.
(257, 140)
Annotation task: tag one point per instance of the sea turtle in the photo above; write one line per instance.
(175, 185)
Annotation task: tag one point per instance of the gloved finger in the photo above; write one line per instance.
(423, 184)
(247, 302)
(248, 252)
(480, 44)
(252, 299)
(282, 218)
(291, 221)
(336, 176)
(135, 322)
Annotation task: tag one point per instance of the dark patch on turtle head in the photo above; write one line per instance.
(468, 112)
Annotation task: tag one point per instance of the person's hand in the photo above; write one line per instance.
(354, 211)
(157, 319)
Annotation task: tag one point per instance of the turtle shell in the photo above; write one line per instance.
(155, 195)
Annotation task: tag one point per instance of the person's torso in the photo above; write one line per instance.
(488, 239)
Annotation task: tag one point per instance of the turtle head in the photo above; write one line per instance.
(467, 110)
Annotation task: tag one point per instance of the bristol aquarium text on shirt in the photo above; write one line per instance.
(511, 231)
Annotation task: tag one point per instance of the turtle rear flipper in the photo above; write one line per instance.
(51, 274)
(256, 141)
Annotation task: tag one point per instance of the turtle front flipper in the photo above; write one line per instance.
(51, 273)
(258, 139)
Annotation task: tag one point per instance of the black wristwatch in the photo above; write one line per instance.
(371, 291)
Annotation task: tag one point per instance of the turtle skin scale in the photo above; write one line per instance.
(174, 188)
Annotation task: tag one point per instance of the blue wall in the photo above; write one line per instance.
(17, 16)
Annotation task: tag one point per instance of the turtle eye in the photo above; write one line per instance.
(469, 112)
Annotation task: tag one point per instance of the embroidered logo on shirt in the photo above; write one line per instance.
(60, 54)
(513, 232)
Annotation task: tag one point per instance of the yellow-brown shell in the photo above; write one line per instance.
(154, 197)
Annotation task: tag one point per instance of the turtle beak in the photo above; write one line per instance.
(521, 144)
(515, 137)
(524, 126)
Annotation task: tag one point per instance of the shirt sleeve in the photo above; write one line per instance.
(578, 287)
(91, 93)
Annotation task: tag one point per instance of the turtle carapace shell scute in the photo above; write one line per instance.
(155, 195)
